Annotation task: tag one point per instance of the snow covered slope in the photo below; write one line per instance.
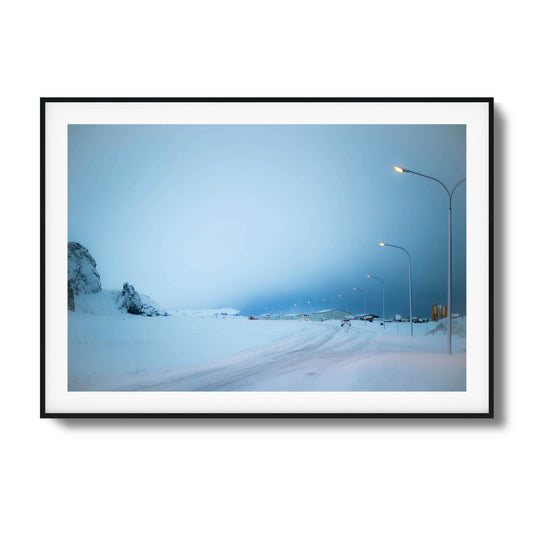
(108, 302)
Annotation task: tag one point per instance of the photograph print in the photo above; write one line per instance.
(280, 260)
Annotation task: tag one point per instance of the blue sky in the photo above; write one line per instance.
(266, 216)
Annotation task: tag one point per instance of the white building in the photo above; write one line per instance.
(295, 316)
(329, 314)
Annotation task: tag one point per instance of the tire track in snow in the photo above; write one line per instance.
(260, 364)
(243, 364)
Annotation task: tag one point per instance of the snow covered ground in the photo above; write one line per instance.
(210, 351)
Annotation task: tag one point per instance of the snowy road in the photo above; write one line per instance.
(213, 354)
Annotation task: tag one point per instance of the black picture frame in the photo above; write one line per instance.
(47, 321)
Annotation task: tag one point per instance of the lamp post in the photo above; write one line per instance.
(450, 195)
(383, 283)
(410, 286)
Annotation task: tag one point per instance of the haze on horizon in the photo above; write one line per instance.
(266, 216)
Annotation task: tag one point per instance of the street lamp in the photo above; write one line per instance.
(450, 195)
(410, 286)
(383, 283)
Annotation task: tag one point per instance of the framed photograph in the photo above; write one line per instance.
(266, 257)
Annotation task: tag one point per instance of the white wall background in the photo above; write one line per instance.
(402, 475)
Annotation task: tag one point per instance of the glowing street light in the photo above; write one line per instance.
(450, 195)
(383, 283)
(410, 286)
(345, 303)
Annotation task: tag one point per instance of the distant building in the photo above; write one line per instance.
(329, 314)
(268, 316)
(365, 317)
(295, 316)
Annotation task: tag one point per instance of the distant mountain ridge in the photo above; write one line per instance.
(84, 280)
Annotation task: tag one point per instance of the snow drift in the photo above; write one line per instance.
(441, 327)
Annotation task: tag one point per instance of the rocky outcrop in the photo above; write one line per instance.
(70, 297)
(83, 278)
(150, 310)
(130, 300)
(84, 282)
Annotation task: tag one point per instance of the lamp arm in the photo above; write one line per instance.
(430, 178)
(400, 248)
(457, 185)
